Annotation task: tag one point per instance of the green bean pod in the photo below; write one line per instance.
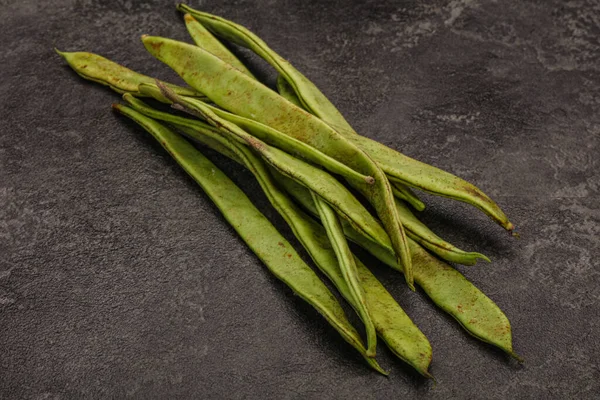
(344, 202)
(420, 233)
(101, 70)
(254, 228)
(203, 38)
(415, 229)
(403, 192)
(395, 164)
(347, 266)
(446, 287)
(269, 135)
(317, 180)
(397, 330)
(309, 95)
(242, 95)
(399, 190)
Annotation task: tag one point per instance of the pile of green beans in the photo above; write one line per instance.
(305, 156)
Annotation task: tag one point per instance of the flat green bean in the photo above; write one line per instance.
(395, 164)
(254, 228)
(444, 285)
(317, 180)
(419, 232)
(334, 192)
(415, 229)
(309, 95)
(403, 192)
(391, 322)
(347, 266)
(236, 92)
(101, 70)
(399, 190)
(272, 137)
(203, 38)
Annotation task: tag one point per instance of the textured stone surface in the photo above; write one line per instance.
(119, 278)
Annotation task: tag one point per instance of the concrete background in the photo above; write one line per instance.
(119, 278)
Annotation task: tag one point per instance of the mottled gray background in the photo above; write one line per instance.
(119, 278)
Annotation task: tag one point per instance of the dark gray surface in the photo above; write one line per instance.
(119, 278)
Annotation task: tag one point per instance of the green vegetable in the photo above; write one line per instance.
(391, 323)
(236, 92)
(203, 38)
(101, 70)
(317, 180)
(346, 263)
(254, 228)
(396, 165)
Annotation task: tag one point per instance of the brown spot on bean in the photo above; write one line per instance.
(156, 45)
(255, 143)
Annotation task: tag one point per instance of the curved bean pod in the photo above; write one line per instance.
(419, 232)
(415, 229)
(347, 266)
(275, 138)
(397, 330)
(336, 194)
(403, 192)
(444, 285)
(254, 228)
(401, 168)
(203, 38)
(398, 189)
(242, 95)
(96, 68)
(317, 180)
(395, 164)
(309, 95)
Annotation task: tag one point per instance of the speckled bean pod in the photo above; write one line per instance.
(391, 322)
(395, 164)
(101, 70)
(254, 228)
(236, 92)
(447, 287)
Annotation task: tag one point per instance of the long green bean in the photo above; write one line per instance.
(447, 287)
(270, 136)
(347, 266)
(336, 194)
(395, 164)
(101, 70)
(392, 324)
(236, 92)
(254, 228)
(203, 38)
(399, 190)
